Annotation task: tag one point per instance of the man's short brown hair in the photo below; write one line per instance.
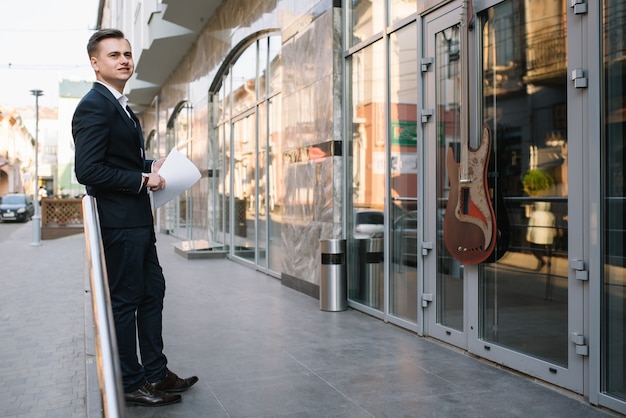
(94, 41)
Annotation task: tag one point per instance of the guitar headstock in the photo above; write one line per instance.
(467, 15)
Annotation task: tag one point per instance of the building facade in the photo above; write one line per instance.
(17, 154)
(406, 127)
(70, 93)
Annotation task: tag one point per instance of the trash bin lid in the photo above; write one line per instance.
(332, 246)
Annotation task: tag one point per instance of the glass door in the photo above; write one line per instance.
(382, 236)
(515, 307)
(403, 176)
(526, 296)
(179, 210)
(366, 222)
(444, 294)
(613, 289)
(244, 184)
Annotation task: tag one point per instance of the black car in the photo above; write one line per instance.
(16, 207)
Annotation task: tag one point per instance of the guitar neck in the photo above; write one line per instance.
(464, 176)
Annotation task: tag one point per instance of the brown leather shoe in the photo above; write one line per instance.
(171, 383)
(147, 395)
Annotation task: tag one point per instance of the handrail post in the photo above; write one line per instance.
(109, 374)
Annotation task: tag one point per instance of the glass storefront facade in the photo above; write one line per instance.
(614, 226)
(450, 286)
(247, 162)
(317, 120)
(524, 294)
(382, 158)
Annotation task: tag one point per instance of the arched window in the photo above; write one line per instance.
(246, 148)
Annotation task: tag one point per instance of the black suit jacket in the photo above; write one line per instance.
(110, 158)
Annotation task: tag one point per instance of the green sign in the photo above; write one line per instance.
(404, 133)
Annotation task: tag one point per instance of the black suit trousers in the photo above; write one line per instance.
(137, 289)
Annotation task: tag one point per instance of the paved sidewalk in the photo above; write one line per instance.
(42, 326)
(260, 349)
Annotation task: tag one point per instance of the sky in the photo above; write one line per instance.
(41, 43)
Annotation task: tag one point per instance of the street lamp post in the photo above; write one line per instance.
(37, 217)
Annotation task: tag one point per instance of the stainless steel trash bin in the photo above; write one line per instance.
(333, 284)
(372, 271)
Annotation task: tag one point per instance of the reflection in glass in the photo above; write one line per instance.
(365, 267)
(178, 135)
(262, 71)
(274, 190)
(403, 172)
(215, 227)
(613, 141)
(524, 294)
(244, 187)
(243, 90)
(399, 9)
(224, 185)
(368, 18)
(247, 167)
(448, 92)
(275, 64)
(261, 192)
(219, 104)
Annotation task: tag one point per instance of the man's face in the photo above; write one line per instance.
(113, 62)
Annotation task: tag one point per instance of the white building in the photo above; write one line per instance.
(301, 114)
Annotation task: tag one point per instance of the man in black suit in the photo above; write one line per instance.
(110, 162)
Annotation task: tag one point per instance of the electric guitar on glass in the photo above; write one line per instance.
(503, 234)
(469, 226)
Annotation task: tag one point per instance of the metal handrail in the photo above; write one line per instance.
(109, 374)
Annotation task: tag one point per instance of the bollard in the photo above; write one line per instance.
(333, 282)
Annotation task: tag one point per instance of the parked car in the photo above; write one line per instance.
(16, 207)
(369, 224)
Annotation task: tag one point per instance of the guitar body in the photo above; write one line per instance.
(469, 226)
(503, 234)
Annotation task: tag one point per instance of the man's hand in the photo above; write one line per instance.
(157, 164)
(155, 182)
